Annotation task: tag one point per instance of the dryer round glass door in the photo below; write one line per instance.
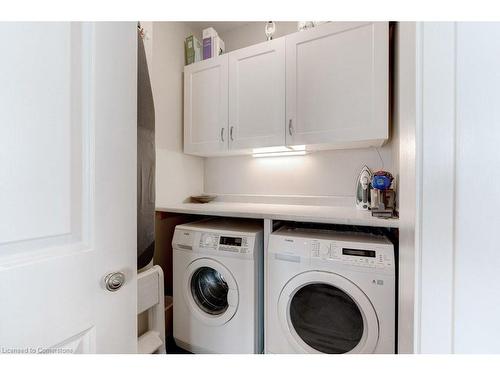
(211, 291)
(322, 312)
(326, 318)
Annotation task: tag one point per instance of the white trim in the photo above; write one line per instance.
(454, 194)
(437, 182)
(268, 229)
(418, 187)
(407, 116)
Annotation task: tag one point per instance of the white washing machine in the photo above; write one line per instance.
(218, 287)
(330, 292)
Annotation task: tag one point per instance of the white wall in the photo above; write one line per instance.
(326, 173)
(177, 175)
(252, 33)
(459, 263)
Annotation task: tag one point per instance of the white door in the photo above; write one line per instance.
(205, 107)
(337, 85)
(67, 187)
(257, 96)
(458, 134)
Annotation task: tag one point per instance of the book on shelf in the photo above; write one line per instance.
(213, 45)
(192, 50)
(207, 48)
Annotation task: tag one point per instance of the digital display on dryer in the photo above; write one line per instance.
(359, 253)
(230, 241)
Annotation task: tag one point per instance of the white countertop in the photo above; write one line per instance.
(292, 212)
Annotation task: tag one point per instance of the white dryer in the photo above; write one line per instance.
(217, 286)
(330, 292)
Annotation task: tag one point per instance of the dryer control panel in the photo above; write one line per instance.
(356, 254)
(329, 247)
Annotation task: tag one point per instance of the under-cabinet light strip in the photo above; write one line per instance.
(283, 153)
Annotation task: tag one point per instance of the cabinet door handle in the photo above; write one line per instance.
(290, 127)
(222, 134)
(231, 133)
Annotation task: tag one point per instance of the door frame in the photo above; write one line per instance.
(406, 115)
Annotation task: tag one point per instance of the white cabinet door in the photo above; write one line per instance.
(205, 107)
(257, 96)
(337, 85)
(68, 187)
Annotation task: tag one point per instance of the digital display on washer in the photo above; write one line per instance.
(359, 253)
(230, 241)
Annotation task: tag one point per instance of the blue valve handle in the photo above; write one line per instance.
(381, 182)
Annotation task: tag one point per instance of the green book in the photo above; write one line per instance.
(192, 50)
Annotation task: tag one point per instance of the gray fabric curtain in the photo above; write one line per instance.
(145, 161)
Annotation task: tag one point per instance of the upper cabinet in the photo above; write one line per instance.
(257, 96)
(324, 88)
(337, 85)
(205, 107)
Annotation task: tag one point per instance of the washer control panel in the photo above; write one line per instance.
(228, 243)
(240, 238)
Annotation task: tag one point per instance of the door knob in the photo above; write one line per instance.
(114, 281)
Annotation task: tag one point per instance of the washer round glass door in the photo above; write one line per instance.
(211, 291)
(322, 312)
